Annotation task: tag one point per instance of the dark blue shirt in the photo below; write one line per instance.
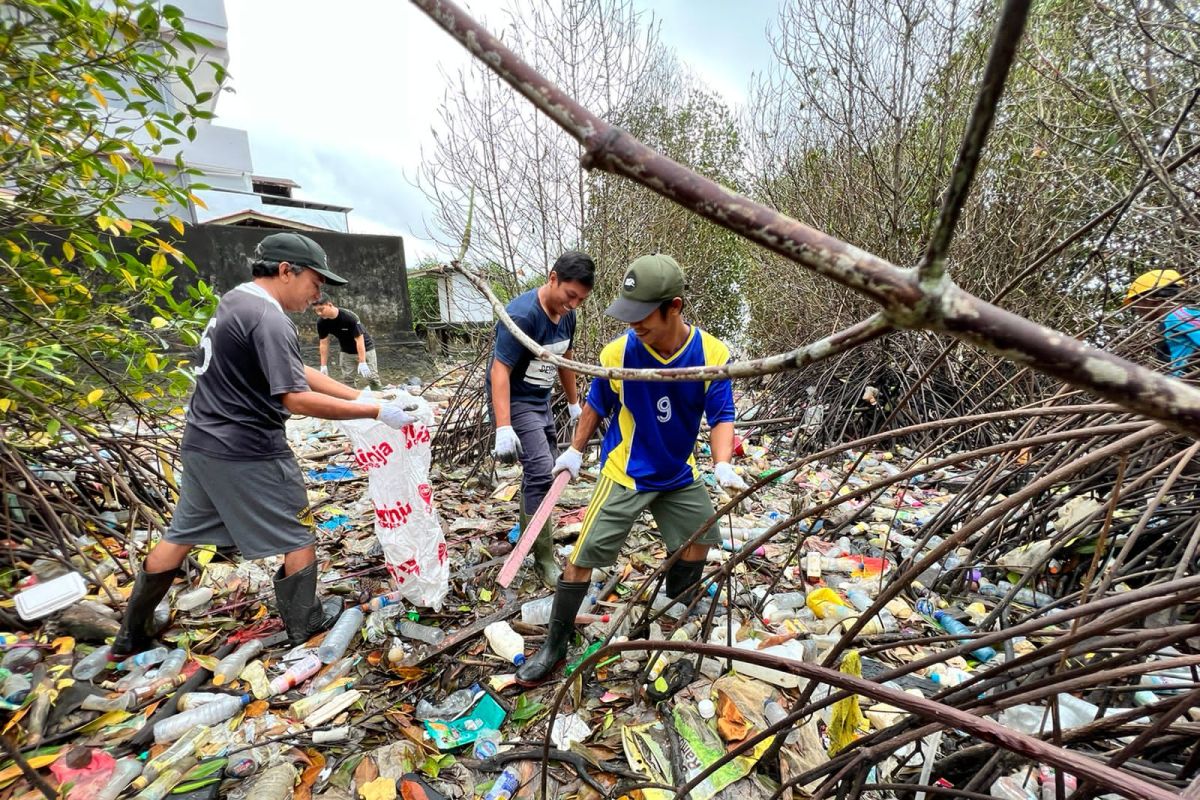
(531, 378)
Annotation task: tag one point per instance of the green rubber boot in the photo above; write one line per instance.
(543, 552)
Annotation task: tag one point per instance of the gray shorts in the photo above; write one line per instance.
(261, 507)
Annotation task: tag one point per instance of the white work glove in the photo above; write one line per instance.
(570, 461)
(364, 370)
(394, 415)
(574, 410)
(508, 446)
(727, 478)
(324, 370)
(364, 396)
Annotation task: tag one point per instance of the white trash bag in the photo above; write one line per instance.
(406, 522)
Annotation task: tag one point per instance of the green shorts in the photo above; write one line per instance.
(613, 510)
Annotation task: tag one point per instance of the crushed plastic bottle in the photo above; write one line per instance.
(194, 599)
(92, 664)
(334, 645)
(172, 665)
(172, 728)
(232, 665)
(124, 772)
(505, 642)
(537, 612)
(454, 706)
(424, 633)
(146, 658)
(335, 671)
(774, 713)
(487, 743)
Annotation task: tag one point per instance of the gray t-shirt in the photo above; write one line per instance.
(251, 356)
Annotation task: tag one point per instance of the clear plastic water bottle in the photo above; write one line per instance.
(859, 598)
(191, 700)
(505, 642)
(21, 659)
(172, 665)
(788, 601)
(144, 659)
(381, 602)
(194, 598)
(124, 771)
(537, 612)
(96, 702)
(506, 785)
(454, 706)
(296, 674)
(232, 665)
(92, 664)
(424, 633)
(334, 645)
(161, 786)
(339, 670)
(171, 728)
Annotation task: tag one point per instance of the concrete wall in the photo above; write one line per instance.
(377, 292)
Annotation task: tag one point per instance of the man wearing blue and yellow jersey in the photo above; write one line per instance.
(647, 457)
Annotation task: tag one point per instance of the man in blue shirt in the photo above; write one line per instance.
(1152, 295)
(519, 385)
(647, 456)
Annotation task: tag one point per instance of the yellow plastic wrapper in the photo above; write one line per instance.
(847, 716)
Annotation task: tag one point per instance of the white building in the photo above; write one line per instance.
(222, 154)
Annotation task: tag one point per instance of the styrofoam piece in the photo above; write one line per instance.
(50, 596)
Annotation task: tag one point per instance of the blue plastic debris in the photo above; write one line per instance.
(336, 472)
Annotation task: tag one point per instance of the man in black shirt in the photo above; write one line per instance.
(354, 343)
(240, 484)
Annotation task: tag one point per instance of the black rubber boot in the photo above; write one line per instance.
(137, 626)
(567, 598)
(680, 579)
(303, 615)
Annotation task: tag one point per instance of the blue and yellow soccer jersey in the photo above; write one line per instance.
(653, 424)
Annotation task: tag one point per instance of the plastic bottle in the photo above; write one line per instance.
(192, 700)
(454, 706)
(788, 601)
(172, 665)
(232, 664)
(859, 598)
(506, 784)
(16, 687)
(92, 664)
(537, 612)
(1025, 596)
(505, 642)
(21, 659)
(296, 674)
(274, 784)
(172, 728)
(950, 625)
(161, 786)
(424, 633)
(775, 712)
(194, 598)
(1047, 776)
(144, 659)
(334, 645)
(124, 771)
(130, 679)
(338, 670)
(183, 747)
(96, 702)
(382, 601)
(487, 743)
(305, 706)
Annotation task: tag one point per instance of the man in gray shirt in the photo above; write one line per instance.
(240, 483)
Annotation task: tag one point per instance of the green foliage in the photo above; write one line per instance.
(93, 99)
(423, 296)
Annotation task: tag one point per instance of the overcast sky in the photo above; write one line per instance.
(343, 102)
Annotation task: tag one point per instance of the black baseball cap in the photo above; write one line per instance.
(649, 281)
(300, 250)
